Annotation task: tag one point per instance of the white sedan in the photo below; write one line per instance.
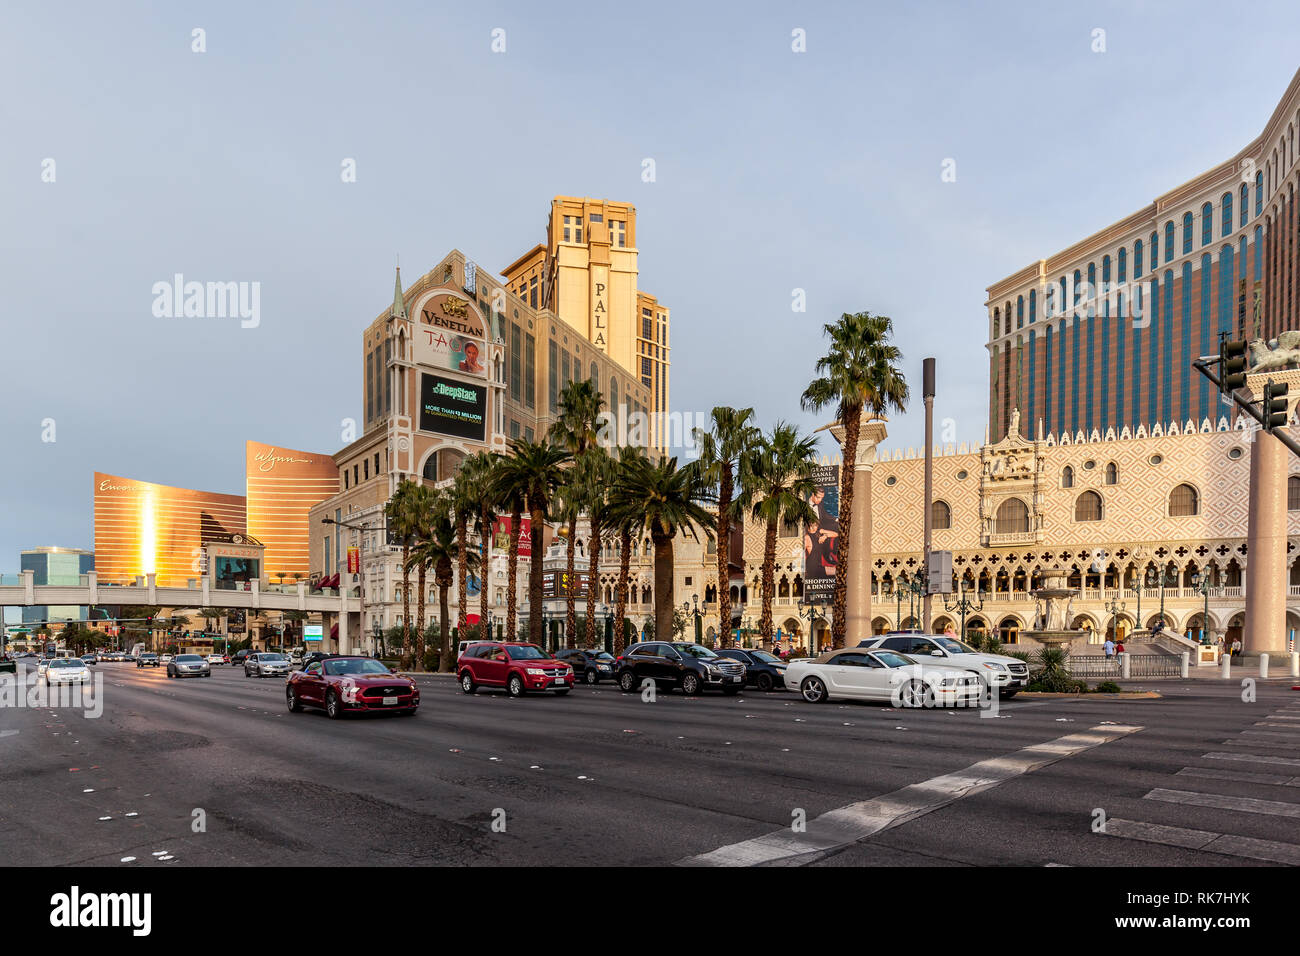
(69, 670)
(861, 674)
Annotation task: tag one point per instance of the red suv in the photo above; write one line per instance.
(517, 667)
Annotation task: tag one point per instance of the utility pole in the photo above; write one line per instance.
(927, 374)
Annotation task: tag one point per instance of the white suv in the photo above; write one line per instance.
(1008, 674)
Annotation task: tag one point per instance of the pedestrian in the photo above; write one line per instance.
(1236, 647)
(1119, 647)
(1109, 648)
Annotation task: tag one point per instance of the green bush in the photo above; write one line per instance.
(1020, 655)
(1057, 682)
(1107, 687)
(431, 656)
(992, 645)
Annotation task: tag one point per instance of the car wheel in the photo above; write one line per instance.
(627, 682)
(467, 682)
(764, 682)
(690, 685)
(515, 685)
(291, 698)
(592, 677)
(333, 707)
(813, 690)
(913, 694)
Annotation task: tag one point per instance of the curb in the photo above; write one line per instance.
(1122, 695)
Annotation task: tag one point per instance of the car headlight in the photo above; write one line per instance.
(535, 671)
(603, 667)
(992, 666)
(947, 681)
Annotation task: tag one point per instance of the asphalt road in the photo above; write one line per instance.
(599, 777)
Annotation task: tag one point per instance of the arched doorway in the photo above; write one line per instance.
(1009, 630)
(879, 625)
(1235, 630)
(1119, 628)
(1085, 623)
(975, 627)
(942, 623)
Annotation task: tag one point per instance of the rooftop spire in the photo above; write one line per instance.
(399, 304)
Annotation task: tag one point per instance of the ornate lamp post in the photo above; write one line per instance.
(815, 610)
(1201, 583)
(964, 605)
(915, 593)
(1114, 607)
(1161, 576)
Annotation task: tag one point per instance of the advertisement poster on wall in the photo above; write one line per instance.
(821, 536)
(450, 336)
(501, 537)
(448, 407)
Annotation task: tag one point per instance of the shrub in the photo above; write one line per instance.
(992, 645)
(1057, 682)
(1020, 655)
(1107, 687)
(431, 656)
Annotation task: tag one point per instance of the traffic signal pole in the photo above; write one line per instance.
(1272, 415)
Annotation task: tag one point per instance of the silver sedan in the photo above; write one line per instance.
(266, 665)
(188, 665)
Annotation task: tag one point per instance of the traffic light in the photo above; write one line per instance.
(1232, 364)
(1275, 415)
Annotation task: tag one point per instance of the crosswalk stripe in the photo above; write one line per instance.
(1207, 840)
(849, 824)
(1252, 758)
(1244, 776)
(1278, 724)
(1271, 733)
(1274, 808)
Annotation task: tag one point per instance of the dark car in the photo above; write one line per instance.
(237, 658)
(345, 684)
(516, 666)
(313, 657)
(762, 670)
(692, 667)
(591, 667)
(8, 665)
(147, 659)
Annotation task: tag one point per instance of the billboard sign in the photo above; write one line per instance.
(501, 536)
(448, 407)
(450, 335)
(821, 536)
(313, 632)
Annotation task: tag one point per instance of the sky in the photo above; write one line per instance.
(774, 171)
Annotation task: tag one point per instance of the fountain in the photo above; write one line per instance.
(1055, 600)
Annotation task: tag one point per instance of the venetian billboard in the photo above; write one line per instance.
(283, 484)
(821, 536)
(449, 335)
(143, 528)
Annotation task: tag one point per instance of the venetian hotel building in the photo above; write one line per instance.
(1101, 336)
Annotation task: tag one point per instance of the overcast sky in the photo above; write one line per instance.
(774, 171)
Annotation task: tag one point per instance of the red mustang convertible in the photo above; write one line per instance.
(344, 685)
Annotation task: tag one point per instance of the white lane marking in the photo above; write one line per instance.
(1272, 733)
(1274, 808)
(8, 733)
(1283, 716)
(852, 823)
(1244, 776)
(1274, 723)
(1206, 840)
(1252, 758)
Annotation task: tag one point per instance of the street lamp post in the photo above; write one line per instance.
(916, 591)
(361, 591)
(964, 605)
(815, 610)
(1114, 607)
(1152, 578)
(1201, 583)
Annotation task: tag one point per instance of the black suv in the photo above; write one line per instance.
(762, 670)
(692, 667)
(590, 666)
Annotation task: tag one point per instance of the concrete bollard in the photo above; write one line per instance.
(1295, 663)
(1263, 667)
(1225, 667)
(1182, 671)
(1125, 668)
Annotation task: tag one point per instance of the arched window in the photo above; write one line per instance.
(1259, 193)
(1020, 312)
(1245, 203)
(997, 322)
(1112, 473)
(1226, 212)
(940, 515)
(442, 464)
(1067, 477)
(1293, 493)
(1078, 286)
(1169, 236)
(1033, 306)
(1207, 227)
(1121, 266)
(613, 395)
(1137, 259)
(1184, 501)
(1087, 507)
(595, 377)
(1012, 517)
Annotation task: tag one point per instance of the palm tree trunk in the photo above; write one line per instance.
(570, 595)
(620, 599)
(419, 634)
(445, 663)
(663, 586)
(512, 595)
(406, 601)
(839, 604)
(462, 552)
(537, 510)
(769, 581)
(483, 545)
(593, 584)
(724, 556)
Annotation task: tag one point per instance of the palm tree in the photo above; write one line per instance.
(724, 452)
(440, 549)
(667, 500)
(859, 371)
(781, 469)
(531, 474)
(464, 506)
(629, 523)
(476, 472)
(575, 430)
(589, 482)
(403, 524)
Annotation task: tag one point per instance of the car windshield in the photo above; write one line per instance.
(695, 650)
(526, 652)
(604, 656)
(143, 656)
(955, 647)
(765, 657)
(892, 659)
(188, 659)
(270, 657)
(354, 665)
(73, 662)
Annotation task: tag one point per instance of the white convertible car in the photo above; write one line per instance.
(858, 673)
